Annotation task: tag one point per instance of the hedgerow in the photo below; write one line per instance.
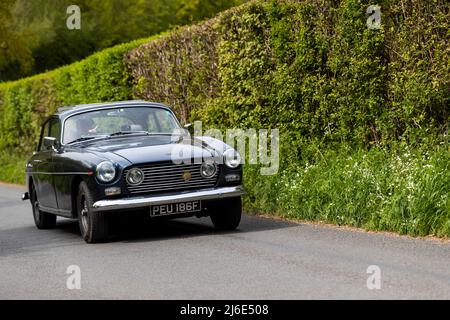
(312, 67)
(363, 113)
(24, 104)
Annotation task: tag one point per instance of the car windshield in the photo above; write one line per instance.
(118, 121)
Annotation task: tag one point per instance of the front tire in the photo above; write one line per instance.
(227, 214)
(93, 225)
(42, 220)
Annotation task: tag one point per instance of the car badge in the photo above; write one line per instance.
(187, 176)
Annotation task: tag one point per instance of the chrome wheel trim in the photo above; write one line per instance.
(84, 215)
(36, 207)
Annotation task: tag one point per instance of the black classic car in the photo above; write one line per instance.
(97, 160)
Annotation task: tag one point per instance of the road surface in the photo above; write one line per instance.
(188, 259)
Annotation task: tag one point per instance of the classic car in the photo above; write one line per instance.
(97, 160)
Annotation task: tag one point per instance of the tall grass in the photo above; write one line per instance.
(12, 167)
(405, 191)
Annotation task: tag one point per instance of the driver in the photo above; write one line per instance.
(85, 127)
(77, 128)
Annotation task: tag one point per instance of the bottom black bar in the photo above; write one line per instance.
(221, 309)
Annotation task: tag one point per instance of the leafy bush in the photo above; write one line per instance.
(406, 190)
(24, 104)
(315, 62)
(179, 69)
(363, 113)
(13, 167)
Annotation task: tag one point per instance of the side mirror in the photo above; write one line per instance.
(179, 134)
(50, 142)
(189, 128)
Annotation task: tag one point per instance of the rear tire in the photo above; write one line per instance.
(227, 214)
(42, 220)
(94, 226)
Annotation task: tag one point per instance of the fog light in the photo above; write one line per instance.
(208, 169)
(135, 176)
(232, 177)
(112, 191)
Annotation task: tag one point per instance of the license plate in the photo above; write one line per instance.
(175, 208)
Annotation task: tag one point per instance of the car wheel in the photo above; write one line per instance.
(93, 225)
(227, 214)
(43, 220)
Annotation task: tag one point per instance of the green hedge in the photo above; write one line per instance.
(363, 113)
(348, 101)
(24, 104)
(312, 61)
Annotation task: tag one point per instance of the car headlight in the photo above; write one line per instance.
(232, 158)
(135, 176)
(106, 172)
(208, 169)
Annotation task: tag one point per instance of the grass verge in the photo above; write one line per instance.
(12, 167)
(404, 191)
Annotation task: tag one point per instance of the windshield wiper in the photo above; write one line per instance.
(122, 133)
(85, 138)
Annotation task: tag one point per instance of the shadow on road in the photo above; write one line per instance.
(128, 229)
(141, 230)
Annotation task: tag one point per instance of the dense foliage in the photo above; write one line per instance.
(314, 62)
(24, 104)
(34, 36)
(363, 113)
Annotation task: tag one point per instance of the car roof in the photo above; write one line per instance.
(67, 111)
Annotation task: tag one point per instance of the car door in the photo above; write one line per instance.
(43, 167)
(64, 170)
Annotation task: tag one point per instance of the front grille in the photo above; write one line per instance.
(169, 177)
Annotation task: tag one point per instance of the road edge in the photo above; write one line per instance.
(445, 240)
(14, 185)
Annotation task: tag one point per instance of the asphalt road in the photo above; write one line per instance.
(188, 259)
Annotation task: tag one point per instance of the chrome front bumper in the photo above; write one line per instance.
(141, 202)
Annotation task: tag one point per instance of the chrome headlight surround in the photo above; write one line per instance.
(105, 171)
(135, 176)
(232, 158)
(208, 169)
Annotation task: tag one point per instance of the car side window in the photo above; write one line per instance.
(51, 128)
(55, 129)
(44, 133)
